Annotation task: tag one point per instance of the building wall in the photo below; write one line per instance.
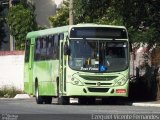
(44, 9)
(12, 69)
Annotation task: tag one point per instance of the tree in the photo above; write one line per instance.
(100, 12)
(90, 11)
(86, 12)
(3, 6)
(21, 20)
(141, 18)
(1, 23)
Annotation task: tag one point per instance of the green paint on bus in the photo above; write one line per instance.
(85, 61)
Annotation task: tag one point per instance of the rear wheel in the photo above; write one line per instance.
(48, 99)
(39, 99)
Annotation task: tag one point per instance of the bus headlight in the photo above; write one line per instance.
(75, 81)
(121, 82)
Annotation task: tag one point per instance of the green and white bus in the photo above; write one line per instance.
(74, 62)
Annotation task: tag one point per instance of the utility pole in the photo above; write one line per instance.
(71, 12)
(12, 46)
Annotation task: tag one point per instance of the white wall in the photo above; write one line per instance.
(11, 71)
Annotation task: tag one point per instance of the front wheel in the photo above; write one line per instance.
(63, 100)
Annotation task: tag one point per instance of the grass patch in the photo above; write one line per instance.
(7, 92)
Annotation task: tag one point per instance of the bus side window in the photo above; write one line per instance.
(50, 47)
(27, 51)
(56, 47)
(37, 49)
(43, 48)
(61, 36)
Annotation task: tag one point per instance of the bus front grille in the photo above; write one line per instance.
(98, 89)
(96, 83)
(98, 78)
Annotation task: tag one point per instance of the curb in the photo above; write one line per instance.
(22, 96)
(145, 104)
(18, 96)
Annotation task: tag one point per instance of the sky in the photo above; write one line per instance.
(58, 2)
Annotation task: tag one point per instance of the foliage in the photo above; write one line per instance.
(141, 17)
(62, 16)
(9, 92)
(90, 11)
(1, 23)
(3, 5)
(111, 18)
(21, 20)
(101, 12)
(85, 13)
(145, 36)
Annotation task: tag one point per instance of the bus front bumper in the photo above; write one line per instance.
(97, 91)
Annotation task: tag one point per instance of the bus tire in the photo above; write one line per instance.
(63, 100)
(39, 99)
(57, 87)
(48, 99)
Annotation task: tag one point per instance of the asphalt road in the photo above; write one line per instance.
(27, 109)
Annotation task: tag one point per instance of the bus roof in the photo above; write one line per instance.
(57, 30)
(49, 31)
(96, 25)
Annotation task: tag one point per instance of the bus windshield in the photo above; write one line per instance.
(98, 55)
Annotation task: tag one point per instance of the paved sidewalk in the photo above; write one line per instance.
(147, 103)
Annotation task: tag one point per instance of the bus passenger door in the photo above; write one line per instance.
(28, 82)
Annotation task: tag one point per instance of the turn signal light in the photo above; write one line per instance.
(121, 91)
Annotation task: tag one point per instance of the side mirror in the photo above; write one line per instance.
(66, 49)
